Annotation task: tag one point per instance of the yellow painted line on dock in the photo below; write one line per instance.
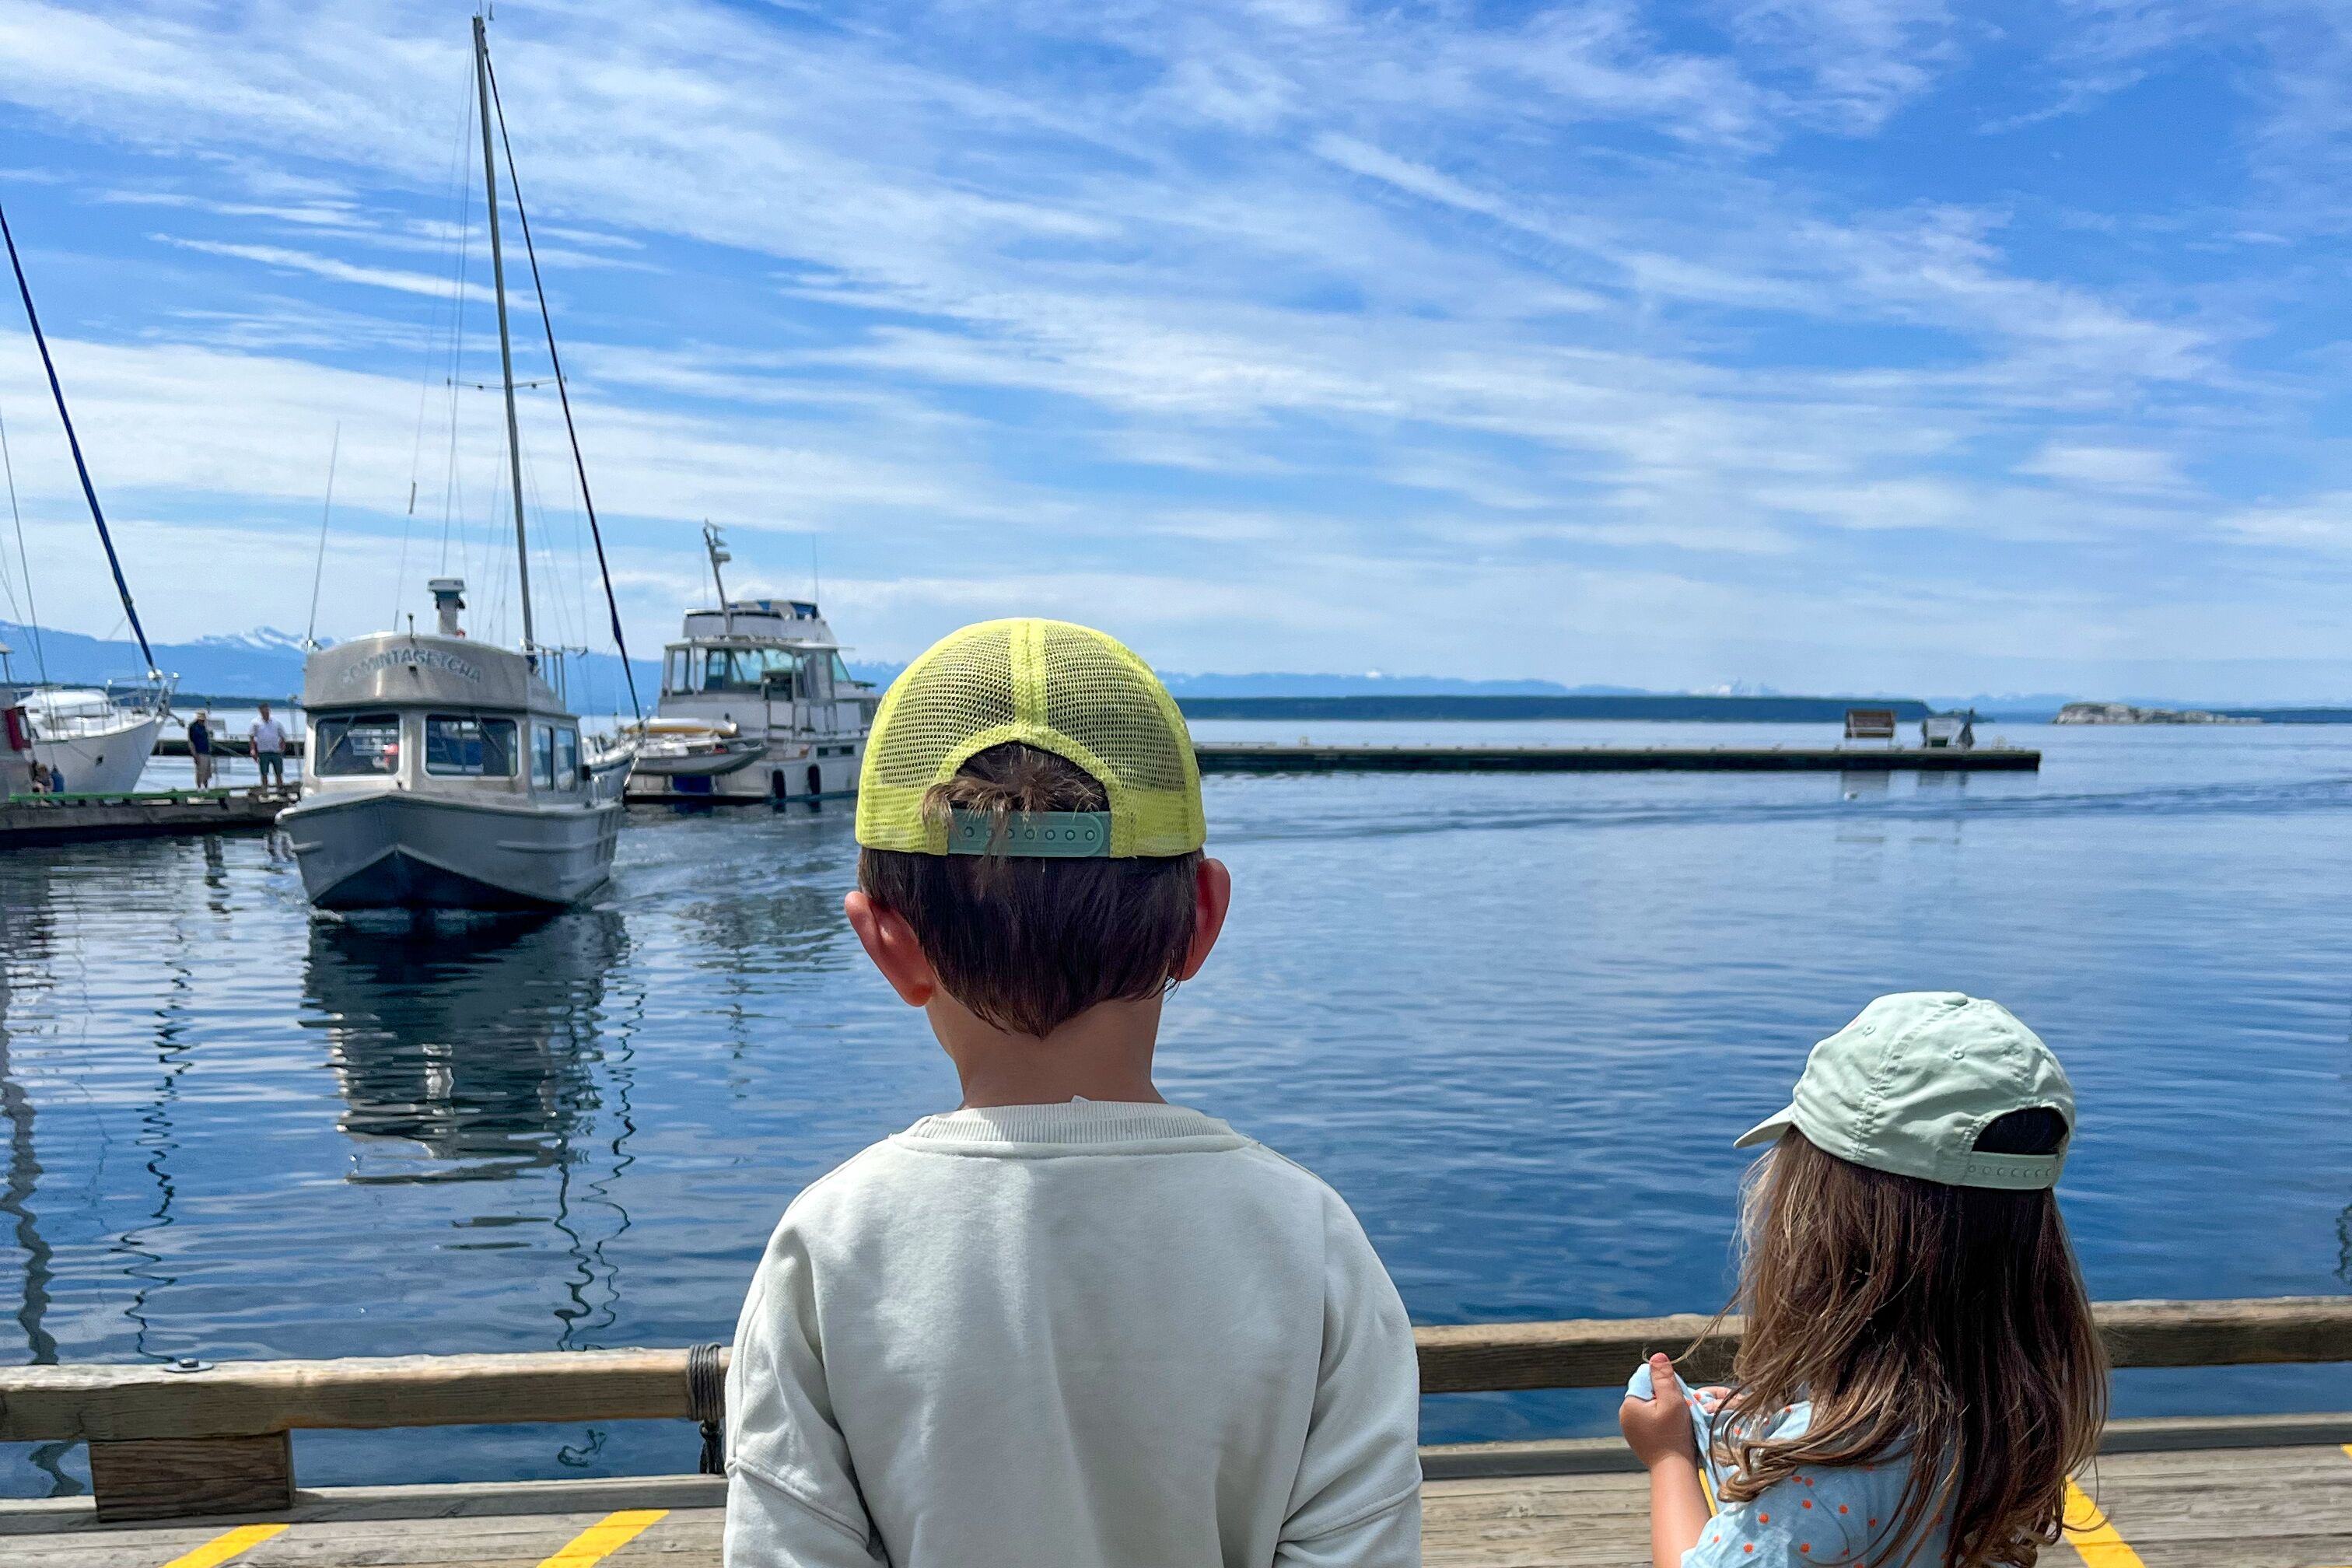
(607, 1536)
(2094, 1540)
(221, 1548)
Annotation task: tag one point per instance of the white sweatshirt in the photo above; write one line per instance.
(1054, 1336)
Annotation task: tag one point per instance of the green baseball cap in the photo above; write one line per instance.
(1911, 1083)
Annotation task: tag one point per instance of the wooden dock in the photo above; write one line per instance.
(1253, 757)
(168, 1446)
(2282, 1507)
(32, 819)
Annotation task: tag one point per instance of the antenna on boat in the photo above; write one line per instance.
(562, 393)
(319, 571)
(89, 491)
(506, 344)
(716, 543)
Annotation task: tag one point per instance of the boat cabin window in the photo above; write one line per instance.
(747, 669)
(554, 757)
(470, 747)
(361, 744)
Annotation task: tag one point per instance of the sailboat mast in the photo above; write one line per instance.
(505, 345)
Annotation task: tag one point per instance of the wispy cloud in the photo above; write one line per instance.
(1235, 319)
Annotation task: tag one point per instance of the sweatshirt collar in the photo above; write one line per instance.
(1074, 1126)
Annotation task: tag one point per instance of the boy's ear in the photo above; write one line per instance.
(1213, 895)
(890, 943)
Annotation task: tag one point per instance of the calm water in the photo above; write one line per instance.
(1516, 1021)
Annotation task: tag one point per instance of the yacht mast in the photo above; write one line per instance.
(506, 347)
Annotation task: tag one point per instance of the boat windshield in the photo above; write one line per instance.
(733, 670)
(362, 743)
(470, 747)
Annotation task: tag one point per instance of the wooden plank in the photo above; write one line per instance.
(1580, 1352)
(1597, 1352)
(123, 1403)
(2166, 1434)
(44, 1403)
(171, 1478)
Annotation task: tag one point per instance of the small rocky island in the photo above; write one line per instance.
(2125, 713)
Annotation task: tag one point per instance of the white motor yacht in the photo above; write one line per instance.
(443, 773)
(756, 705)
(93, 742)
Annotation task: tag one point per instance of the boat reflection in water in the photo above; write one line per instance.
(466, 1051)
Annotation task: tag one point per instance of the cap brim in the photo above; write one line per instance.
(1771, 1127)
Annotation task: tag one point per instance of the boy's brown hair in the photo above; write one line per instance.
(1029, 944)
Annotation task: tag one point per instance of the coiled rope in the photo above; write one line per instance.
(705, 1401)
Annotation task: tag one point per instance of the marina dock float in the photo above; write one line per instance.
(1253, 757)
(193, 1468)
(34, 819)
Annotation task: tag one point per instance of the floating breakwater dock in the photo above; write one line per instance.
(195, 1467)
(1253, 757)
(35, 819)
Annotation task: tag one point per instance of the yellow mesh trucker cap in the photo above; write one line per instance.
(1063, 689)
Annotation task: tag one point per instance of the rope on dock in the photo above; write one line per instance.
(706, 1402)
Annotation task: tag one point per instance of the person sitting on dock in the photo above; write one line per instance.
(1067, 1322)
(200, 746)
(1920, 1374)
(268, 737)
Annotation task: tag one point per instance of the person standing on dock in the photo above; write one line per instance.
(200, 746)
(1920, 1374)
(268, 738)
(1066, 1322)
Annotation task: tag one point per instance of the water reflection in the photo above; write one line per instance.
(473, 1044)
(24, 922)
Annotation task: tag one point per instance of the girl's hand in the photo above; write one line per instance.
(1658, 1429)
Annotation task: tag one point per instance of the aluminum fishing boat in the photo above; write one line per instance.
(756, 704)
(443, 773)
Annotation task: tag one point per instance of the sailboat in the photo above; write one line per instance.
(444, 772)
(88, 741)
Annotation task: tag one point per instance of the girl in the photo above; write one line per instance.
(1919, 1374)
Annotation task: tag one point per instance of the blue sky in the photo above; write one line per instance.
(1824, 344)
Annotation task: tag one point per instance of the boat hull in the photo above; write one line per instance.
(410, 851)
(107, 762)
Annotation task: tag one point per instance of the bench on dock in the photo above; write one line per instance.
(1870, 723)
(166, 1444)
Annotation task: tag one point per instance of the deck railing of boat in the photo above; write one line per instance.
(174, 1439)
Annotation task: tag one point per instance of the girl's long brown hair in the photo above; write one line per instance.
(1947, 1327)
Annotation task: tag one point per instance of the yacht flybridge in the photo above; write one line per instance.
(756, 705)
(445, 773)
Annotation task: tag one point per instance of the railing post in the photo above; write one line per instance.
(165, 1478)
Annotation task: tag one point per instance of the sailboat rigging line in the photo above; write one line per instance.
(319, 571)
(588, 502)
(23, 566)
(74, 441)
(505, 345)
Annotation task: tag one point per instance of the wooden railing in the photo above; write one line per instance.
(164, 1442)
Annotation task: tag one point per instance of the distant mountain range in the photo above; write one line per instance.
(263, 663)
(267, 663)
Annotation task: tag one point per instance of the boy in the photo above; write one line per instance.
(1068, 1324)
